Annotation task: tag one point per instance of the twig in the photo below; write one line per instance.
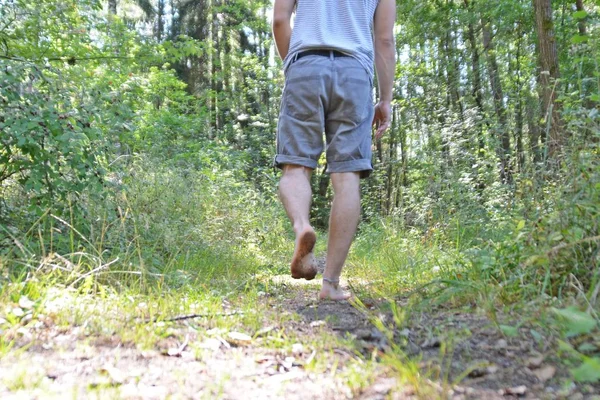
(95, 270)
(192, 316)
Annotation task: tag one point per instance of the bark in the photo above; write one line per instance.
(533, 128)
(549, 74)
(391, 162)
(519, 107)
(503, 150)
(160, 23)
(442, 69)
(581, 24)
(476, 90)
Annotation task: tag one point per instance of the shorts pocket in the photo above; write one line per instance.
(301, 97)
(354, 87)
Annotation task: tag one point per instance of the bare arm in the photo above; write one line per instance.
(385, 62)
(282, 29)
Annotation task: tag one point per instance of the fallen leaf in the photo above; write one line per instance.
(545, 373)
(264, 331)
(238, 338)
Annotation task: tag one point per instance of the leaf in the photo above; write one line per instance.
(521, 225)
(577, 322)
(579, 39)
(238, 338)
(580, 14)
(589, 371)
(509, 331)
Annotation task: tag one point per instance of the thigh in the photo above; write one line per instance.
(349, 119)
(301, 119)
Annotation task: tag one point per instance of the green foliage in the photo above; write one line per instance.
(50, 144)
(576, 322)
(588, 371)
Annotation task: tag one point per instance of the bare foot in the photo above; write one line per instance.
(331, 291)
(304, 264)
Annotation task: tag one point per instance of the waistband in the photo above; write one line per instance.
(322, 53)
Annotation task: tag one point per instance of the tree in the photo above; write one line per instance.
(549, 75)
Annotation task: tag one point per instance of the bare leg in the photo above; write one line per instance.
(345, 212)
(295, 194)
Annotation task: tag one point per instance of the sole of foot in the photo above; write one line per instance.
(304, 264)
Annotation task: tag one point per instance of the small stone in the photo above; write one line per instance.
(297, 349)
(376, 334)
(492, 369)
(17, 312)
(213, 344)
(545, 373)
(364, 334)
(514, 391)
(501, 344)
(431, 343)
(477, 373)
(535, 362)
(315, 324)
(25, 303)
(576, 396)
(404, 332)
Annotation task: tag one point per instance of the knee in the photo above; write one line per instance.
(296, 171)
(342, 181)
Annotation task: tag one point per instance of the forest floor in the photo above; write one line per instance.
(291, 347)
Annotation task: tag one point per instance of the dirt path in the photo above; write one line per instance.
(322, 350)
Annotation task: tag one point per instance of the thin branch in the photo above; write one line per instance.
(192, 316)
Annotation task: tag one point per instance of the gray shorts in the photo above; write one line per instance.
(330, 94)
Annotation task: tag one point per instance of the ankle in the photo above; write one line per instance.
(334, 283)
(301, 227)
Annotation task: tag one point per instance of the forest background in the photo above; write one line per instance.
(137, 138)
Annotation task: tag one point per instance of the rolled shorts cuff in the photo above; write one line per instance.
(363, 166)
(281, 160)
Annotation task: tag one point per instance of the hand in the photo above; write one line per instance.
(382, 118)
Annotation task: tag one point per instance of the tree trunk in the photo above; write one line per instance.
(160, 23)
(112, 7)
(519, 107)
(503, 150)
(581, 23)
(533, 128)
(476, 92)
(549, 74)
(391, 163)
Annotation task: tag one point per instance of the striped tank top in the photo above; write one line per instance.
(343, 25)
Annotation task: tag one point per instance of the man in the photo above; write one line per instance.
(328, 63)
